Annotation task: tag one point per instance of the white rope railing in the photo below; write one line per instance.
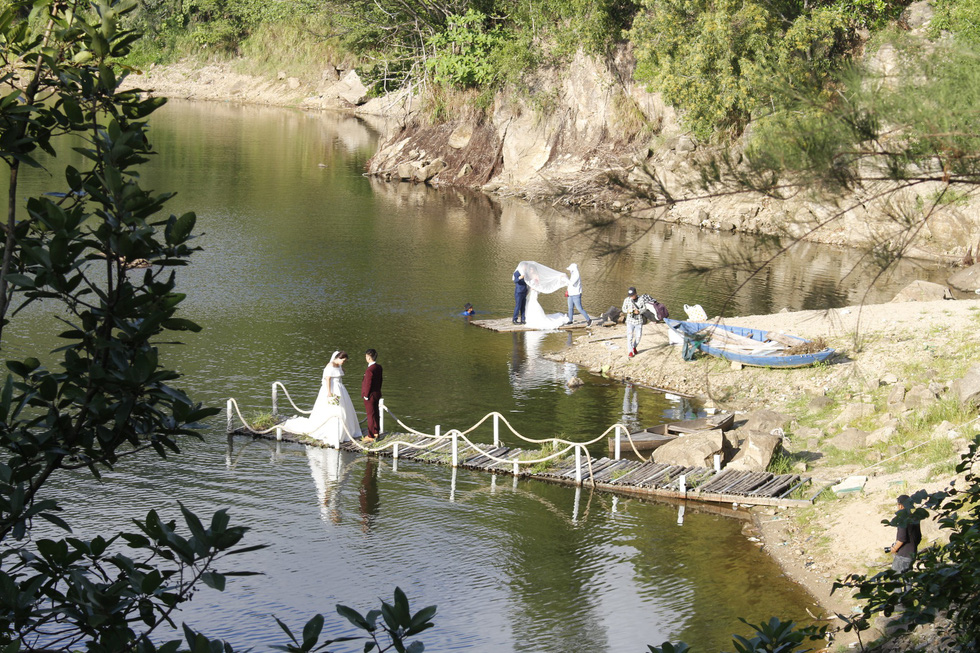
(561, 447)
(275, 399)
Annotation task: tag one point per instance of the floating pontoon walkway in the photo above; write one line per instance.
(570, 463)
(507, 324)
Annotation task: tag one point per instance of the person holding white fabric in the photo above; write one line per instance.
(574, 293)
(332, 419)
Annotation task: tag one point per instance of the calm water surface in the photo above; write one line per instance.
(302, 256)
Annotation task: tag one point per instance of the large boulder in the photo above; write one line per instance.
(850, 439)
(919, 396)
(426, 172)
(355, 93)
(881, 434)
(967, 279)
(922, 291)
(852, 413)
(461, 136)
(696, 449)
(755, 453)
(918, 15)
(765, 421)
(967, 389)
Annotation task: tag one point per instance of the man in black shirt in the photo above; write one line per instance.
(906, 539)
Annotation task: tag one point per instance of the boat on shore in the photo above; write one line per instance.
(756, 347)
(656, 436)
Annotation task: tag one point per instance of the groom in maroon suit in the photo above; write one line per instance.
(371, 392)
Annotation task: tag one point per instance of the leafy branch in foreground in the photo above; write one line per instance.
(397, 623)
(774, 636)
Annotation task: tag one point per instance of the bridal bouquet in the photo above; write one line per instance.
(333, 400)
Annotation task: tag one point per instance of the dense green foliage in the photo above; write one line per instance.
(181, 26)
(961, 17)
(462, 52)
(717, 61)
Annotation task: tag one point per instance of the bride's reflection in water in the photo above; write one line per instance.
(529, 370)
(329, 467)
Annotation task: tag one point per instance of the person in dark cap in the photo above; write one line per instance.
(633, 307)
(907, 539)
(468, 309)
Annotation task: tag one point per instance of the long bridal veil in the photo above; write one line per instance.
(541, 280)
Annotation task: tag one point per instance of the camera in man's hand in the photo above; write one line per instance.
(888, 549)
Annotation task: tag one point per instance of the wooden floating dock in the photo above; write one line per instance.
(507, 324)
(645, 479)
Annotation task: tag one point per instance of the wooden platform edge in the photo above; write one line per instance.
(692, 495)
(506, 325)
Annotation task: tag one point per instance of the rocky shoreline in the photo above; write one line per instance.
(583, 152)
(840, 419)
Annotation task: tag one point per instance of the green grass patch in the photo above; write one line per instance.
(262, 420)
(783, 462)
(298, 47)
(835, 457)
(807, 416)
(942, 470)
(547, 449)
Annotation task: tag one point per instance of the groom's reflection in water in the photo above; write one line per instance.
(369, 501)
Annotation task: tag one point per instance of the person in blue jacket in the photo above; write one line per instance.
(520, 295)
(468, 309)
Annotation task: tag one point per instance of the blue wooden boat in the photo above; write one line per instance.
(747, 346)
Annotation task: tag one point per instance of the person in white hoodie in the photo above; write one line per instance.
(574, 293)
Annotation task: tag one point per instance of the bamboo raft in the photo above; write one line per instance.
(646, 479)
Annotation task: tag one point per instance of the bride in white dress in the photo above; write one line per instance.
(541, 279)
(333, 419)
(536, 318)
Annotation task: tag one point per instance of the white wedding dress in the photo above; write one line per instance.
(329, 422)
(536, 318)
